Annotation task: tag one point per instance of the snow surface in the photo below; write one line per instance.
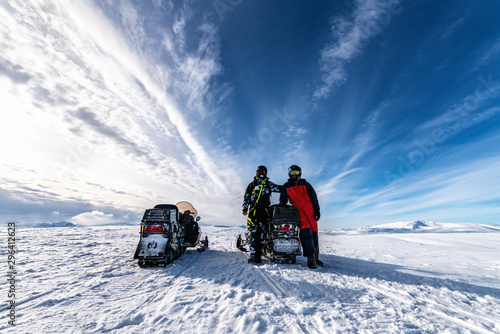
(392, 279)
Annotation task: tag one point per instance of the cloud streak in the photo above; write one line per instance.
(351, 34)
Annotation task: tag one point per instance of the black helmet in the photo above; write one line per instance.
(261, 172)
(294, 172)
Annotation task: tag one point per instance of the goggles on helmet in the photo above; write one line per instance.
(294, 172)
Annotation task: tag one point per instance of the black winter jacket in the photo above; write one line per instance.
(258, 193)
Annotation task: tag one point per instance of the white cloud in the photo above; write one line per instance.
(93, 218)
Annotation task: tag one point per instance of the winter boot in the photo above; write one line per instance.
(311, 263)
(318, 262)
(255, 258)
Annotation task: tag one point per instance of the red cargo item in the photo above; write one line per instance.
(286, 227)
(154, 229)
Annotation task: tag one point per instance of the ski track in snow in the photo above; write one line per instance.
(84, 280)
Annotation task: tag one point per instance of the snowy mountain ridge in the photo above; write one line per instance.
(419, 226)
(57, 224)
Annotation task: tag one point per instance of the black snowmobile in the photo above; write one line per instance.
(166, 231)
(282, 243)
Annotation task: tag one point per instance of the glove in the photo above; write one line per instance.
(316, 215)
(245, 211)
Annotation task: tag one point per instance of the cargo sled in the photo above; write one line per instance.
(282, 243)
(166, 231)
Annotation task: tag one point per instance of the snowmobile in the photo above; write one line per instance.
(282, 243)
(166, 231)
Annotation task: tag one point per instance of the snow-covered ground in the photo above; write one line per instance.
(397, 278)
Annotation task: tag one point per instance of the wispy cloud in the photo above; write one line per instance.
(330, 186)
(13, 71)
(489, 53)
(351, 34)
(106, 130)
(194, 68)
(367, 135)
(436, 193)
(467, 112)
(110, 110)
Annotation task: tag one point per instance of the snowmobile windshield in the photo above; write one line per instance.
(185, 206)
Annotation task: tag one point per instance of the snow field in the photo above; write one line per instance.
(84, 280)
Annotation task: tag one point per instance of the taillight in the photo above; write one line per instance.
(286, 227)
(154, 229)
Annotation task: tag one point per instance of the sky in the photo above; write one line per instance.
(391, 108)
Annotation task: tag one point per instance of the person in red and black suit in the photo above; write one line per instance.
(302, 196)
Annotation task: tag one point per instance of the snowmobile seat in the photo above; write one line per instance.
(284, 214)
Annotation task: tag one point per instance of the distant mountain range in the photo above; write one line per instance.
(423, 227)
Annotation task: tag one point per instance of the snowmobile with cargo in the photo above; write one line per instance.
(166, 231)
(282, 243)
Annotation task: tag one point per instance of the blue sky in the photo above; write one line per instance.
(391, 108)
